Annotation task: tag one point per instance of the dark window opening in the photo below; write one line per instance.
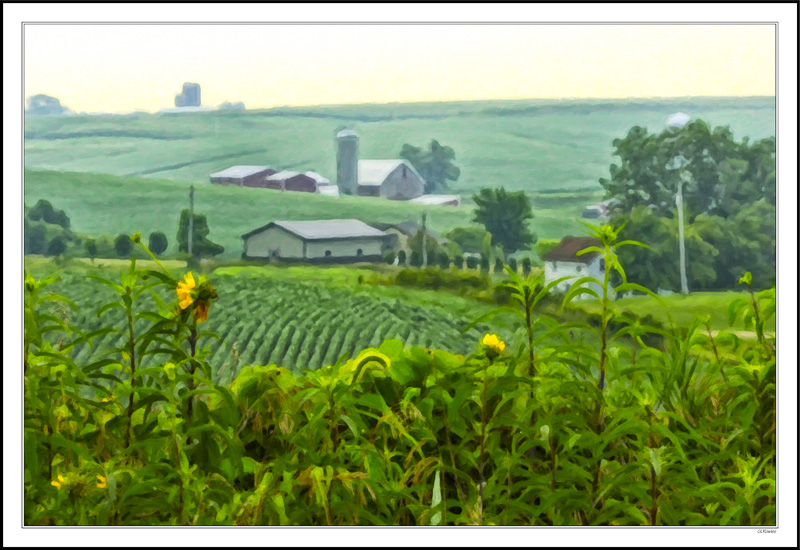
(578, 269)
(359, 252)
(327, 252)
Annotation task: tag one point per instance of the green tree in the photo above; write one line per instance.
(505, 215)
(470, 239)
(658, 266)
(123, 245)
(435, 164)
(57, 246)
(90, 245)
(202, 247)
(719, 174)
(157, 242)
(44, 211)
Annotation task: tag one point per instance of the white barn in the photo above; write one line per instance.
(317, 241)
(563, 261)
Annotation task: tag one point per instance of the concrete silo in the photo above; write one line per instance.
(347, 161)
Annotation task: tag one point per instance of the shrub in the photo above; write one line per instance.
(90, 245)
(401, 257)
(472, 262)
(157, 242)
(390, 257)
(35, 240)
(442, 259)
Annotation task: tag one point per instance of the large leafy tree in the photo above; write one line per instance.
(658, 266)
(202, 246)
(719, 174)
(505, 215)
(435, 164)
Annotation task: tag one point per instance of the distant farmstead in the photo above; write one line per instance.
(393, 179)
(243, 176)
(317, 241)
(564, 261)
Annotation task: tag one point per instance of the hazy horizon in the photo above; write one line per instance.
(124, 69)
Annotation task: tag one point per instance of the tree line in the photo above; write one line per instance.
(47, 231)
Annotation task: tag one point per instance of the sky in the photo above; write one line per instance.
(124, 68)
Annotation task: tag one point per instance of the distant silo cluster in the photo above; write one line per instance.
(189, 97)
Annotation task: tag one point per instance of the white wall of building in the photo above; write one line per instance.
(556, 270)
(344, 248)
(274, 240)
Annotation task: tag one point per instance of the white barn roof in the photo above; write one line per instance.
(375, 172)
(239, 171)
(317, 177)
(436, 199)
(282, 175)
(324, 229)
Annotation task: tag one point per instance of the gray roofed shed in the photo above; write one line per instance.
(324, 229)
(239, 171)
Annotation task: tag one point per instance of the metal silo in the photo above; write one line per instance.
(347, 161)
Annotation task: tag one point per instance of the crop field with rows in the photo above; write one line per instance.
(294, 325)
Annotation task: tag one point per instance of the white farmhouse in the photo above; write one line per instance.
(317, 241)
(563, 261)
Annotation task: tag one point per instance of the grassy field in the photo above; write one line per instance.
(683, 309)
(109, 205)
(530, 145)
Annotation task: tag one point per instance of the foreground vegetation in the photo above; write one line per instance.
(560, 424)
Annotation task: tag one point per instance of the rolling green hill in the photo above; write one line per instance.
(531, 145)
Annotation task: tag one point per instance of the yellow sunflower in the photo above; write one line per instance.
(492, 343)
(185, 289)
(57, 484)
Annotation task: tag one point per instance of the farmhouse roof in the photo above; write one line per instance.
(323, 229)
(568, 248)
(239, 171)
(375, 172)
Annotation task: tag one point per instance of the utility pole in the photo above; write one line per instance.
(677, 165)
(191, 219)
(681, 245)
(424, 236)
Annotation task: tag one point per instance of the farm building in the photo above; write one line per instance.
(399, 233)
(600, 211)
(243, 176)
(393, 179)
(317, 241)
(563, 261)
(287, 180)
(438, 200)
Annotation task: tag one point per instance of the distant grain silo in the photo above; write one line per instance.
(347, 161)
